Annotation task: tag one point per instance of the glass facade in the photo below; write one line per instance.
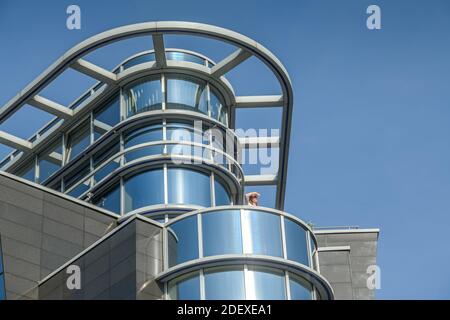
(134, 150)
(170, 55)
(224, 284)
(239, 282)
(242, 231)
(158, 138)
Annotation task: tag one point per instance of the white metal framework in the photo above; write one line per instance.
(109, 81)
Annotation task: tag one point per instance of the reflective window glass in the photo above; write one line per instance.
(218, 109)
(28, 172)
(300, 288)
(78, 140)
(104, 155)
(296, 242)
(148, 57)
(50, 161)
(75, 177)
(142, 97)
(110, 200)
(222, 196)
(144, 189)
(108, 115)
(224, 284)
(187, 288)
(265, 284)
(182, 240)
(222, 232)
(187, 186)
(261, 233)
(182, 56)
(187, 93)
(143, 135)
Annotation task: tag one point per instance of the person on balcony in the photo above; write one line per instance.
(252, 198)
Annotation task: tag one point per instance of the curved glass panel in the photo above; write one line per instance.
(265, 284)
(300, 288)
(187, 288)
(148, 57)
(110, 201)
(183, 241)
(142, 97)
(144, 189)
(145, 134)
(223, 198)
(183, 56)
(218, 108)
(187, 93)
(261, 233)
(186, 186)
(222, 232)
(224, 284)
(296, 247)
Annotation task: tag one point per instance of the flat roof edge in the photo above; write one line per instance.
(58, 194)
(340, 231)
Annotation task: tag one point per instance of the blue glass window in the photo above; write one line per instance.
(183, 56)
(108, 114)
(224, 284)
(146, 134)
(148, 57)
(110, 200)
(300, 288)
(50, 161)
(104, 155)
(187, 186)
(296, 242)
(222, 232)
(218, 108)
(183, 241)
(28, 172)
(222, 196)
(265, 284)
(187, 93)
(142, 97)
(144, 189)
(261, 233)
(75, 177)
(187, 288)
(78, 141)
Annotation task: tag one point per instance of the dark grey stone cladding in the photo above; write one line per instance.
(41, 231)
(346, 269)
(122, 266)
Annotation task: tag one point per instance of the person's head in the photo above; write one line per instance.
(252, 198)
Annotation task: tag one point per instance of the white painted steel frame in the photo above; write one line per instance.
(246, 47)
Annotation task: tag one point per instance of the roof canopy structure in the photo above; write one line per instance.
(109, 80)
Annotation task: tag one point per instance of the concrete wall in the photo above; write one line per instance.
(41, 230)
(344, 256)
(122, 266)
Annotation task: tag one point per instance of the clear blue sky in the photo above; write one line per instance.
(370, 134)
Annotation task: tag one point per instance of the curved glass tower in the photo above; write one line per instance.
(155, 137)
